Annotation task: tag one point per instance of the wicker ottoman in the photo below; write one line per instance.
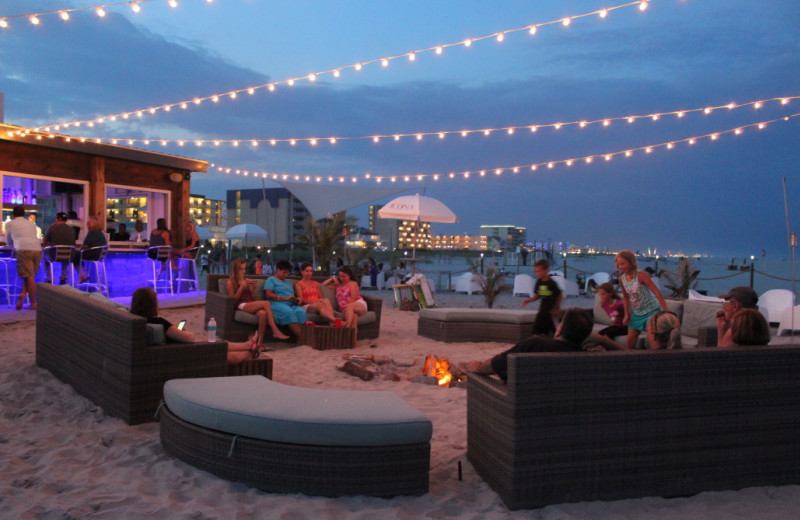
(460, 325)
(286, 439)
(252, 367)
(322, 337)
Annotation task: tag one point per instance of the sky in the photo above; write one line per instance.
(722, 196)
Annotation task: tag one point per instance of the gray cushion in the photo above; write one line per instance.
(254, 406)
(245, 317)
(222, 285)
(698, 314)
(479, 315)
(600, 315)
(155, 334)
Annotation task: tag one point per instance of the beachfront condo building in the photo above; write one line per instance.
(276, 210)
(504, 238)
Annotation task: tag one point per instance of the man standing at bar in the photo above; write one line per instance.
(21, 234)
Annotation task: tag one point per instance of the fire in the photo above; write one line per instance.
(438, 368)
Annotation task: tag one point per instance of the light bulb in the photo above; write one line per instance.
(467, 42)
(101, 12)
(412, 56)
(173, 3)
(385, 62)
(643, 6)
(603, 13)
(532, 30)
(64, 15)
(3, 23)
(135, 7)
(34, 19)
(501, 37)
(566, 21)
(439, 50)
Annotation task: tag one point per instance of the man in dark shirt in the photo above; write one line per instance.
(60, 234)
(575, 327)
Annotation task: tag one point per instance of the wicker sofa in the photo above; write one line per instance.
(101, 351)
(698, 321)
(235, 325)
(572, 427)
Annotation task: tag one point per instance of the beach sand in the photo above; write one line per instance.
(64, 458)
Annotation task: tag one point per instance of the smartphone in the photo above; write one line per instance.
(182, 324)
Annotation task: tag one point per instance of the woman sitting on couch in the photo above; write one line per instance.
(243, 291)
(145, 304)
(309, 294)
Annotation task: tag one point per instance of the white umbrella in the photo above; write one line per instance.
(203, 233)
(246, 233)
(418, 208)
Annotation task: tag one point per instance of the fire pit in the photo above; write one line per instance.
(434, 371)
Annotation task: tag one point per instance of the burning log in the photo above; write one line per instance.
(356, 369)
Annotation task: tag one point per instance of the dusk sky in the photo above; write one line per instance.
(717, 197)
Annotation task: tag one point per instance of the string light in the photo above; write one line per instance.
(509, 130)
(589, 159)
(336, 72)
(65, 14)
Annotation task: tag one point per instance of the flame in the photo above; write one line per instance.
(438, 368)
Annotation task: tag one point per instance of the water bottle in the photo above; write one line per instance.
(212, 330)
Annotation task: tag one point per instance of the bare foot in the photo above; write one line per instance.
(279, 335)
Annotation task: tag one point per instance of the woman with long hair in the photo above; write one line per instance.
(243, 292)
(348, 296)
(145, 303)
(309, 294)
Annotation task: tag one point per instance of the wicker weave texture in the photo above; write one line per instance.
(101, 352)
(326, 338)
(332, 471)
(609, 426)
(221, 307)
(461, 331)
(252, 367)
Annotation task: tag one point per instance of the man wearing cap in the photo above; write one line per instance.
(60, 234)
(742, 297)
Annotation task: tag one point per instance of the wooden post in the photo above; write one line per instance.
(96, 203)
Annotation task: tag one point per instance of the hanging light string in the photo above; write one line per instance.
(419, 136)
(497, 171)
(65, 14)
(335, 72)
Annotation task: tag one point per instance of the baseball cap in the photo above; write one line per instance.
(746, 296)
(61, 216)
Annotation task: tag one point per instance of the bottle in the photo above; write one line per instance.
(212, 330)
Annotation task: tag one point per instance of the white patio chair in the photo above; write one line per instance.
(524, 284)
(466, 283)
(790, 321)
(774, 302)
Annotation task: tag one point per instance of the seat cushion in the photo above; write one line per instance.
(479, 315)
(254, 406)
(698, 314)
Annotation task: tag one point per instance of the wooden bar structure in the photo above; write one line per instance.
(27, 153)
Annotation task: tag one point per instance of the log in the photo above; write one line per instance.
(354, 369)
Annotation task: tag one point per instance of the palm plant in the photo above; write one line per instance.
(681, 281)
(492, 283)
(324, 236)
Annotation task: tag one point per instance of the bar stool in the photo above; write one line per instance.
(188, 264)
(7, 261)
(157, 256)
(94, 259)
(64, 255)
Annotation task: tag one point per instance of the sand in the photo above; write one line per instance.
(64, 458)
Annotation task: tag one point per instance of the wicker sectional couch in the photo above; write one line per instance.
(571, 427)
(236, 325)
(102, 352)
